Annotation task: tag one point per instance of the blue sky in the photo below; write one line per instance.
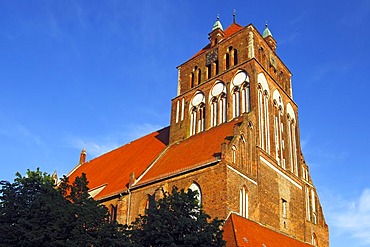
(95, 75)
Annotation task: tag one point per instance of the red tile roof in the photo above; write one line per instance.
(113, 169)
(192, 152)
(233, 28)
(242, 232)
(230, 30)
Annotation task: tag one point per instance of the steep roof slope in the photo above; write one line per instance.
(242, 232)
(113, 169)
(192, 152)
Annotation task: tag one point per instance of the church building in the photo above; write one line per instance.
(233, 137)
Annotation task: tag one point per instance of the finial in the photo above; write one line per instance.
(234, 16)
(266, 25)
(218, 17)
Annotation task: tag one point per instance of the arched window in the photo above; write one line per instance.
(218, 103)
(222, 104)
(197, 113)
(209, 71)
(314, 213)
(243, 203)
(214, 112)
(195, 187)
(199, 76)
(201, 117)
(292, 142)
(235, 55)
(192, 80)
(278, 129)
(227, 61)
(241, 93)
(236, 102)
(314, 240)
(246, 107)
(234, 154)
(182, 108)
(177, 110)
(266, 120)
(193, 121)
(263, 112)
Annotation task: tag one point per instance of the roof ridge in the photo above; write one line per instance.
(151, 165)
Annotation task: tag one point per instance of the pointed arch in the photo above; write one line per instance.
(314, 240)
(263, 112)
(195, 187)
(218, 103)
(292, 139)
(240, 93)
(243, 202)
(278, 128)
(197, 113)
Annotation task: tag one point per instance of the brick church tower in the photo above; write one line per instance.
(233, 137)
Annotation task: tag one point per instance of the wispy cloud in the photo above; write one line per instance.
(98, 145)
(18, 131)
(94, 147)
(352, 217)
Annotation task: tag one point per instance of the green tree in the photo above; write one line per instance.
(34, 213)
(175, 220)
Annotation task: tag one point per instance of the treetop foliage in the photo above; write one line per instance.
(35, 212)
(177, 219)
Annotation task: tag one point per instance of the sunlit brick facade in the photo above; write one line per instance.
(233, 136)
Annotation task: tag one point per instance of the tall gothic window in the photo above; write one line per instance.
(201, 117)
(227, 61)
(263, 113)
(236, 102)
(292, 142)
(231, 57)
(192, 78)
(241, 93)
(264, 119)
(214, 112)
(235, 56)
(197, 113)
(218, 103)
(199, 76)
(243, 202)
(177, 110)
(222, 112)
(278, 129)
(246, 107)
(314, 240)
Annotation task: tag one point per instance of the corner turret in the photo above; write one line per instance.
(267, 35)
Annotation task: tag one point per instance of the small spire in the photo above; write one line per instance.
(82, 156)
(234, 16)
(217, 24)
(266, 32)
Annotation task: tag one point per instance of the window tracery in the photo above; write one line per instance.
(240, 93)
